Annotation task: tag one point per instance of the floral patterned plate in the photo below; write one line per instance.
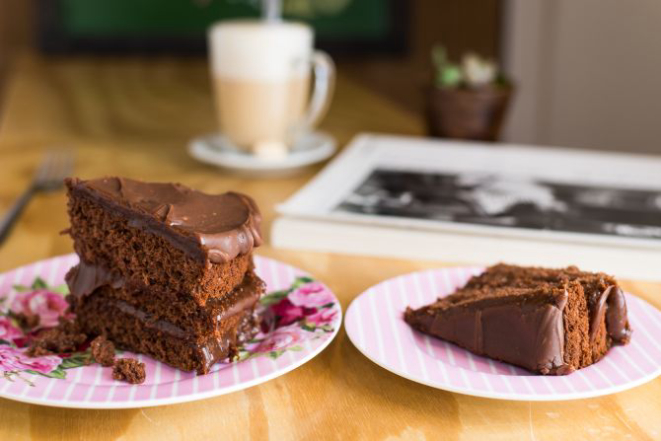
(302, 315)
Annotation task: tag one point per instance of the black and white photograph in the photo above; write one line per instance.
(508, 201)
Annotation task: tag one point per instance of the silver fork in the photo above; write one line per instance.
(48, 177)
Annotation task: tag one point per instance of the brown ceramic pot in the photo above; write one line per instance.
(462, 113)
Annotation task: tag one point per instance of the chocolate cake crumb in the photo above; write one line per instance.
(64, 338)
(27, 322)
(103, 351)
(129, 370)
(38, 351)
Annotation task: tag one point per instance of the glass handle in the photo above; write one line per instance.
(323, 69)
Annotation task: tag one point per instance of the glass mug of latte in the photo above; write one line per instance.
(262, 73)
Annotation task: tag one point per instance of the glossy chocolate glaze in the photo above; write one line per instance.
(244, 297)
(221, 226)
(83, 279)
(612, 304)
(524, 327)
(528, 333)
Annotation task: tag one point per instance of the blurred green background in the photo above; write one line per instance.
(366, 19)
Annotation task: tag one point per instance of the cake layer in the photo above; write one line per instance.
(164, 235)
(85, 281)
(600, 290)
(547, 321)
(210, 227)
(134, 330)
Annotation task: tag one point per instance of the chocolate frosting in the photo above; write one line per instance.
(243, 297)
(612, 304)
(212, 349)
(517, 315)
(225, 225)
(528, 333)
(83, 279)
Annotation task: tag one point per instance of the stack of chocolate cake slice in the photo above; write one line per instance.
(164, 270)
(550, 321)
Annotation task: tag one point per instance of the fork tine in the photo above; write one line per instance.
(56, 166)
(44, 168)
(57, 169)
(68, 165)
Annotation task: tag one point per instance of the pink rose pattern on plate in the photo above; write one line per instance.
(14, 359)
(48, 304)
(44, 303)
(305, 307)
(9, 332)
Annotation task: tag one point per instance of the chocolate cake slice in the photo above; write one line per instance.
(184, 241)
(545, 320)
(164, 270)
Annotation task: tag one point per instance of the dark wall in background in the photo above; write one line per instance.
(461, 25)
(16, 34)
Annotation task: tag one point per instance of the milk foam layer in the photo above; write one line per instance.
(260, 51)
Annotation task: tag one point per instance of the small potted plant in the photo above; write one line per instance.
(467, 100)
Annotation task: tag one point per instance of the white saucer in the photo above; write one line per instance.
(217, 150)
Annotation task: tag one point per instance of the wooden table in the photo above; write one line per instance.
(133, 118)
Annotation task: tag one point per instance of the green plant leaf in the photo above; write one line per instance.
(274, 297)
(310, 327)
(449, 76)
(56, 373)
(295, 348)
(39, 283)
(302, 280)
(76, 360)
(61, 289)
(275, 354)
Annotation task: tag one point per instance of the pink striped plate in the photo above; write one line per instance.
(375, 326)
(303, 317)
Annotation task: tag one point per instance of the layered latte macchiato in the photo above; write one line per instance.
(251, 112)
(261, 75)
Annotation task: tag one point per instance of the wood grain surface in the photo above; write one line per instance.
(133, 117)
